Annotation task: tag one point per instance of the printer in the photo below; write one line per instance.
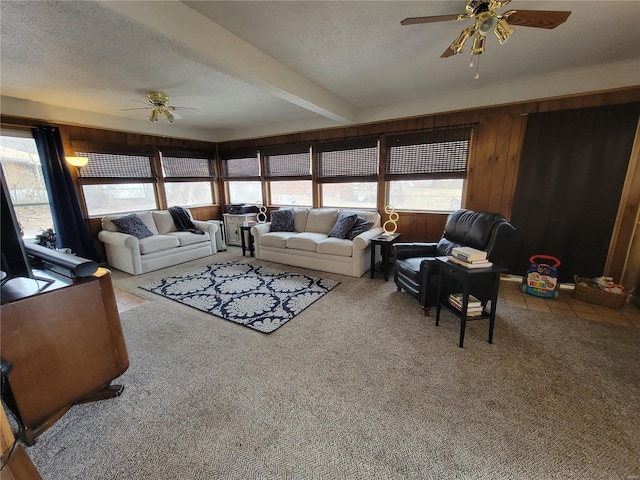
(239, 208)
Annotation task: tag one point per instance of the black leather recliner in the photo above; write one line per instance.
(416, 268)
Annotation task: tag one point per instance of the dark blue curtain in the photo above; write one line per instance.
(69, 224)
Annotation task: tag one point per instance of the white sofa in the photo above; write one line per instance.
(166, 247)
(309, 246)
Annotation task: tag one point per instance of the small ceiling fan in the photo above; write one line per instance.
(159, 105)
(487, 19)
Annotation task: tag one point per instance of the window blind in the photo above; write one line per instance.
(187, 164)
(347, 160)
(433, 154)
(115, 161)
(240, 164)
(287, 161)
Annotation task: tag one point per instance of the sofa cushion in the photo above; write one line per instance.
(164, 222)
(276, 239)
(321, 220)
(343, 225)
(360, 225)
(189, 238)
(132, 225)
(282, 221)
(301, 215)
(336, 246)
(307, 241)
(158, 243)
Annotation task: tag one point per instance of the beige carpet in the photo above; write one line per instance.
(358, 386)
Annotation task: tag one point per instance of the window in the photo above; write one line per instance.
(288, 171)
(23, 173)
(348, 172)
(189, 177)
(241, 172)
(116, 182)
(426, 170)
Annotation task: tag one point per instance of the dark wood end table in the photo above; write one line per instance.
(468, 277)
(246, 245)
(384, 242)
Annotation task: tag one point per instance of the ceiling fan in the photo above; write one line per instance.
(487, 19)
(159, 105)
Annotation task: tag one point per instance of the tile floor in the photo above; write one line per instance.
(565, 304)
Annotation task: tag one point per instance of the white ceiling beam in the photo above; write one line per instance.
(233, 56)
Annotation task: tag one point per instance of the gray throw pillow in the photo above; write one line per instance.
(282, 221)
(361, 225)
(132, 225)
(343, 225)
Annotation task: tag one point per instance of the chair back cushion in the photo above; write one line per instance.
(486, 231)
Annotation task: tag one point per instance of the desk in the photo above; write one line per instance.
(384, 242)
(488, 278)
(249, 244)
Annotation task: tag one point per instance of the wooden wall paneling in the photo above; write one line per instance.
(481, 163)
(518, 127)
(621, 259)
(500, 159)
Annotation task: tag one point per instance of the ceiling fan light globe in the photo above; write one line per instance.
(485, 22)
(153, 116)
(503, 31)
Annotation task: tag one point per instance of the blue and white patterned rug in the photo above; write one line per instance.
(257, 297)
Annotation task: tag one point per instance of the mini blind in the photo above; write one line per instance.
(434, 154)
(187, 164)
(240, 164)
(287, 161)
(347, 160)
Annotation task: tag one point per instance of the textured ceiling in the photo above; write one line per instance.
(260, 68)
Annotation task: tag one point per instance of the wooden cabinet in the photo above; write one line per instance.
(232, 224)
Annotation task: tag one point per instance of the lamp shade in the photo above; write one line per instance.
(77, 161)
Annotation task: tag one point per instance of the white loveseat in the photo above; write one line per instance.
(166, 247)
(310, 245)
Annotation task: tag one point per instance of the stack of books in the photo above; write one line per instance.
(469, 257)
(474, 307)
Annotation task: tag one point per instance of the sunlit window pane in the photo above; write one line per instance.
(245, 192)
(23, 173)
(426, 195)
(119, 197)
(357, 194)
(185, 194)
(291, 192)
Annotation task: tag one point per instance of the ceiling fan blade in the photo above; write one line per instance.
(448, 53)
(141, 108)
(173, 109)
(536, 18)
(437, 18)
(139, 101)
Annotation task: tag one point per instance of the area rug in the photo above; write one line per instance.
(257, 297)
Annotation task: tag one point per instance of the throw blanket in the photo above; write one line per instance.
(183, 221)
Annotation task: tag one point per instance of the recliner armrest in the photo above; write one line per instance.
(414, 249)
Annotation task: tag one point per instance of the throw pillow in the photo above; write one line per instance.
(343, 225)
(132, 225)
(361, 225)
(283, 221)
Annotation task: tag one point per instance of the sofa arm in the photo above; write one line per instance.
(260, 229)
(363, 240)
(211, 228)
(119, 239)
(410, 250)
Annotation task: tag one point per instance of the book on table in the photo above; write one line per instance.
(474, 264)
(469, 254)
(473, 306)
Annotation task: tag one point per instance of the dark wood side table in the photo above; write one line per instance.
(469, 278)
(246, 245)
(384, 242)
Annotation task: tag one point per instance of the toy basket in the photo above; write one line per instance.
(597, 296)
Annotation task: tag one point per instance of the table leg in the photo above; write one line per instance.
(385, 261)
(244, 245)
(251, 247)
(438, 297)
(465, 305)
(494, 301)
(373, 260)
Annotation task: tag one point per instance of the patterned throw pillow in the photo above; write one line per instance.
(343, 225)
(283, 221)
(361, 225)
(132, 225)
